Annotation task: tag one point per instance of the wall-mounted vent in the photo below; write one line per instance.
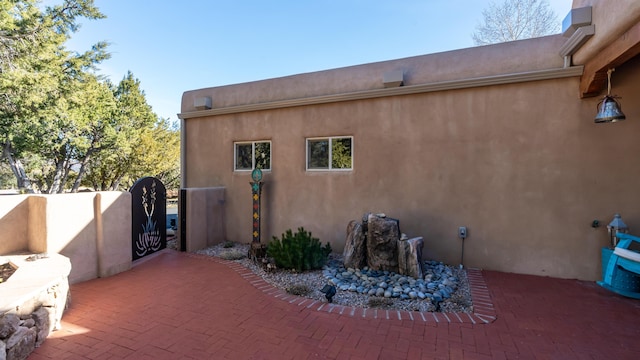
(202, 103)
(393, 78)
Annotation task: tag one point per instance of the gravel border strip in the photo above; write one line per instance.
(483, 313)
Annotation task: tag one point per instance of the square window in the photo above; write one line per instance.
(334, 153)
(249, 155)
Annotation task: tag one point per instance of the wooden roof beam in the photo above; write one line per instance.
(594, 78)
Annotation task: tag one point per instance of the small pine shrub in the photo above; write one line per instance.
(228, 244)
(299, 251)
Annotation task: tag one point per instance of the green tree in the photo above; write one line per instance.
(38, 75)
(61, 124)
(98, 130)
(144, 145)
(515, 20)
(161, 153)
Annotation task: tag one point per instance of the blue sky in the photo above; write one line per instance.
(175, 46)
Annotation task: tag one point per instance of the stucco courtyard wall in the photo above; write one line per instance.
(522, 165)
(92, 229)
(204, 217)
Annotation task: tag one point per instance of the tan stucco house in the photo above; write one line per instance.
(500, 139)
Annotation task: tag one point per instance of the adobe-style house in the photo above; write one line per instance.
(500, 139)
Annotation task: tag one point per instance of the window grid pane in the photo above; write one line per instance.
(244, 159)
(263, 155)
(341, 153)
(318, 154)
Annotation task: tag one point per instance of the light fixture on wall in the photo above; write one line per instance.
(609, 110)
(616, 226)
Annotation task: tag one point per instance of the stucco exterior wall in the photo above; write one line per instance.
(14, 214)
(204, 222)
(92, 229)
(612, 19)
(522, 165)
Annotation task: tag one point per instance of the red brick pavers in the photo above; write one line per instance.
(177, 306)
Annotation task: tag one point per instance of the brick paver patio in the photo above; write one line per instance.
(181, 306)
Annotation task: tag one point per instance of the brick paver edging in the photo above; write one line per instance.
(483, 310)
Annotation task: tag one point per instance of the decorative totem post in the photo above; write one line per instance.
(258, 251)
(256, 190)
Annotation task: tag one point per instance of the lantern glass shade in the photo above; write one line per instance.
(615, 226)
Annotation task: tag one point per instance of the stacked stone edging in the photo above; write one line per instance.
(25, 324)
(21, 334)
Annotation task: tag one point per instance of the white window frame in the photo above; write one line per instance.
(330, 139)
(253, 154)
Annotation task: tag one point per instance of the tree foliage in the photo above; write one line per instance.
(515, 20)
(62, 126)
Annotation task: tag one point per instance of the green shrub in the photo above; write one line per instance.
(228, 244)
(299, 251)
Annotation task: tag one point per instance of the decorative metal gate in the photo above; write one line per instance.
(148, 216)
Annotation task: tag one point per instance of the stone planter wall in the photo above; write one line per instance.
(21, 334)
(32, 301)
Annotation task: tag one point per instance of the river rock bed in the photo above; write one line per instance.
(442, 288)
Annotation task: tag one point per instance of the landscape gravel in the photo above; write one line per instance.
(442, 288)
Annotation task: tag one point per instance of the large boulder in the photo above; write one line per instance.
(355, 252)
(383, 234)
(8, 325)
(43, 321)
(410, 257)
(21, 343)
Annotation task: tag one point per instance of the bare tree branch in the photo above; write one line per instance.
(516, 20)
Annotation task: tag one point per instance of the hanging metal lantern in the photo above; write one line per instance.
(609, 109)
(616, 226)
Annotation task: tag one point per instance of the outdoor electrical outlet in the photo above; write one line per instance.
(462, 232)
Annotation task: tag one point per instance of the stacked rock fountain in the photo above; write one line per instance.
(380, 261)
